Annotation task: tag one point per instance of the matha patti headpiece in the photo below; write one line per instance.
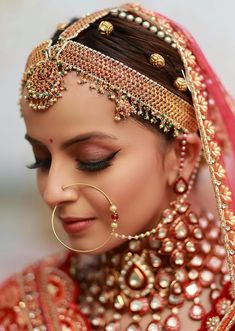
(134, 93)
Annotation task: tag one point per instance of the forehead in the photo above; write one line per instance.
(80, 110)
(77, 102)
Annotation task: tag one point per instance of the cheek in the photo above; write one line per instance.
(139, 192)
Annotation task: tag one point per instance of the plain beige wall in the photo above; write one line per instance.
(24, 225)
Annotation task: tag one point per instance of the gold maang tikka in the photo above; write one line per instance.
(132, 92)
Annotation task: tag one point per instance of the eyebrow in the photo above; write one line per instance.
(75, 140)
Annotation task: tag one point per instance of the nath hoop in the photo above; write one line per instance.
(113, 225)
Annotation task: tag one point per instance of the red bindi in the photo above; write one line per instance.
(51, 140)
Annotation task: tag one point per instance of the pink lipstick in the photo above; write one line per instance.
(76, 224)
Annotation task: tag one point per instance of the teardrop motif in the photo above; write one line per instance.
(155, 259)
(139, 306)
(172, 323)
(178, 258)
(167, 246)
(196, 312)
(119, 302)
(180, 186)
(113, 326)
(135, 278)
(154, 326)
(134, 327)
(175, 300)
(181, 231)
(193, 219)
(167, 216)
(192, 290)
(182, 207)
(176, 288)
(156, 303)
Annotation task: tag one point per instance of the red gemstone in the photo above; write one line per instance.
(115, 216)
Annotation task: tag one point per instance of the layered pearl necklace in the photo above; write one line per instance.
(156, 276)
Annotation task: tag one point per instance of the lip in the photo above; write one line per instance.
(76, 224)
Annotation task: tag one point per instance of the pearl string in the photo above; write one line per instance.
(153, 28)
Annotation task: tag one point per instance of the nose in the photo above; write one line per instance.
(53, 193)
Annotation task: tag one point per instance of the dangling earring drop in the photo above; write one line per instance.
(181, 186)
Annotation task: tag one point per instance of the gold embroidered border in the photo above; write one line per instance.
(228, 320)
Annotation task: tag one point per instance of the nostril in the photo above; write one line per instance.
(54, 195)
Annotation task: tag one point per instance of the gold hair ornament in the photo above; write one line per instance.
(181, 84)
(105, 28)
(132, 92)
(157, 60)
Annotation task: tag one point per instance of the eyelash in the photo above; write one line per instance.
(84, 166)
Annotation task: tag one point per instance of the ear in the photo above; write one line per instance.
(172, 158)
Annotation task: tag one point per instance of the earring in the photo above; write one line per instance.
(113, 225)
(181, 186)
(178, 227)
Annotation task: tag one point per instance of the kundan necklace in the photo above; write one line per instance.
(156, 275)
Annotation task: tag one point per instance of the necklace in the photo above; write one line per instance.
(156, 276)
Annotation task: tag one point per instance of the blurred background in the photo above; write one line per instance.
(25, 233)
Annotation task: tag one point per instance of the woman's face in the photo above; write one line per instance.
(78, 140)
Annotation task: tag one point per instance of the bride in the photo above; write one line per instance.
(118, 107)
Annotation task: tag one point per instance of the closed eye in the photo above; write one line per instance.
(81, 165)
(97, 165)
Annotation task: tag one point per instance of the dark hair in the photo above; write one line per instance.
(132, 45)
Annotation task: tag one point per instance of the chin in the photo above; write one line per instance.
(90, 247)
